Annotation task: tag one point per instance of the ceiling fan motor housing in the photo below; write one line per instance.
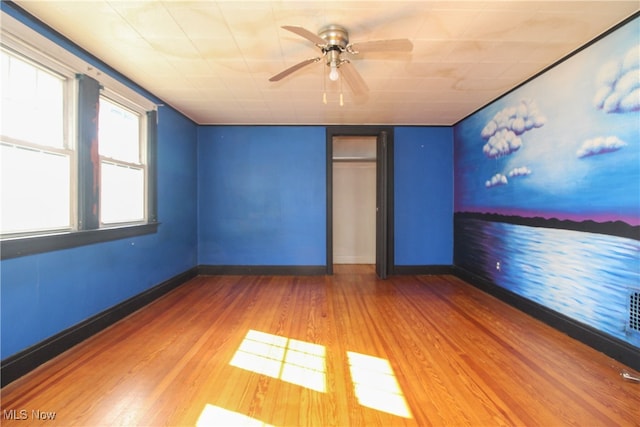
(336, 36)
(337, 39)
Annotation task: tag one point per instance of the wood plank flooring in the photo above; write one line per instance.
(338, 350)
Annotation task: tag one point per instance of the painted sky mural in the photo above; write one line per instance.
(565, 145)
(547, 177)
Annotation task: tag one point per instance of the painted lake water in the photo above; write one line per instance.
(586, 276)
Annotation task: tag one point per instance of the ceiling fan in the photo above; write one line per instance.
(333, 41)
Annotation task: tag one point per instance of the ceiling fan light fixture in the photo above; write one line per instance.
(333, 74)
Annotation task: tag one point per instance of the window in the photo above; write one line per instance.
(36, 156)
(122, 169)
(77, 150)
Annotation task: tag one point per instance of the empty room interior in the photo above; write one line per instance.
(322, 213)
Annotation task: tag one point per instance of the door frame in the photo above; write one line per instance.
(374, 131)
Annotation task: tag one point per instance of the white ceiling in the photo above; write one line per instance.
(212, 60)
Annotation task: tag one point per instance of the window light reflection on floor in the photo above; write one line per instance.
(297, 362)
(376, 385)
(213, 415)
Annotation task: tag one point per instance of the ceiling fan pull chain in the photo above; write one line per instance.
(324, 86)
(341, 97)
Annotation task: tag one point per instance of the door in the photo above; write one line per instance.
(382, 190)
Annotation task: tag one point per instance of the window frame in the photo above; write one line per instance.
(18, 39)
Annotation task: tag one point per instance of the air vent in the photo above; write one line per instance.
(634, 311)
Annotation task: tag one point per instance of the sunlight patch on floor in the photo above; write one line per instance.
(376, 385)
(297, 362)
(213, 415)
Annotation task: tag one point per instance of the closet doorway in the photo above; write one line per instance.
(359, 208)
(354, 200)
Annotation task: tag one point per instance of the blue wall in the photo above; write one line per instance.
(547, 187)
(261, 195)
(423, 187)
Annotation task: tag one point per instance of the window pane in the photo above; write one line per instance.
(31, 95)
(119, 132)
(122, 194)
(35, 190)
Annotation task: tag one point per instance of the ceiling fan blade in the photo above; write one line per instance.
(396, 45)
(353, 78)
(303, 32)
(294, 68)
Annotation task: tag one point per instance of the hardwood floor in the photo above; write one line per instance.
(337, 350)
